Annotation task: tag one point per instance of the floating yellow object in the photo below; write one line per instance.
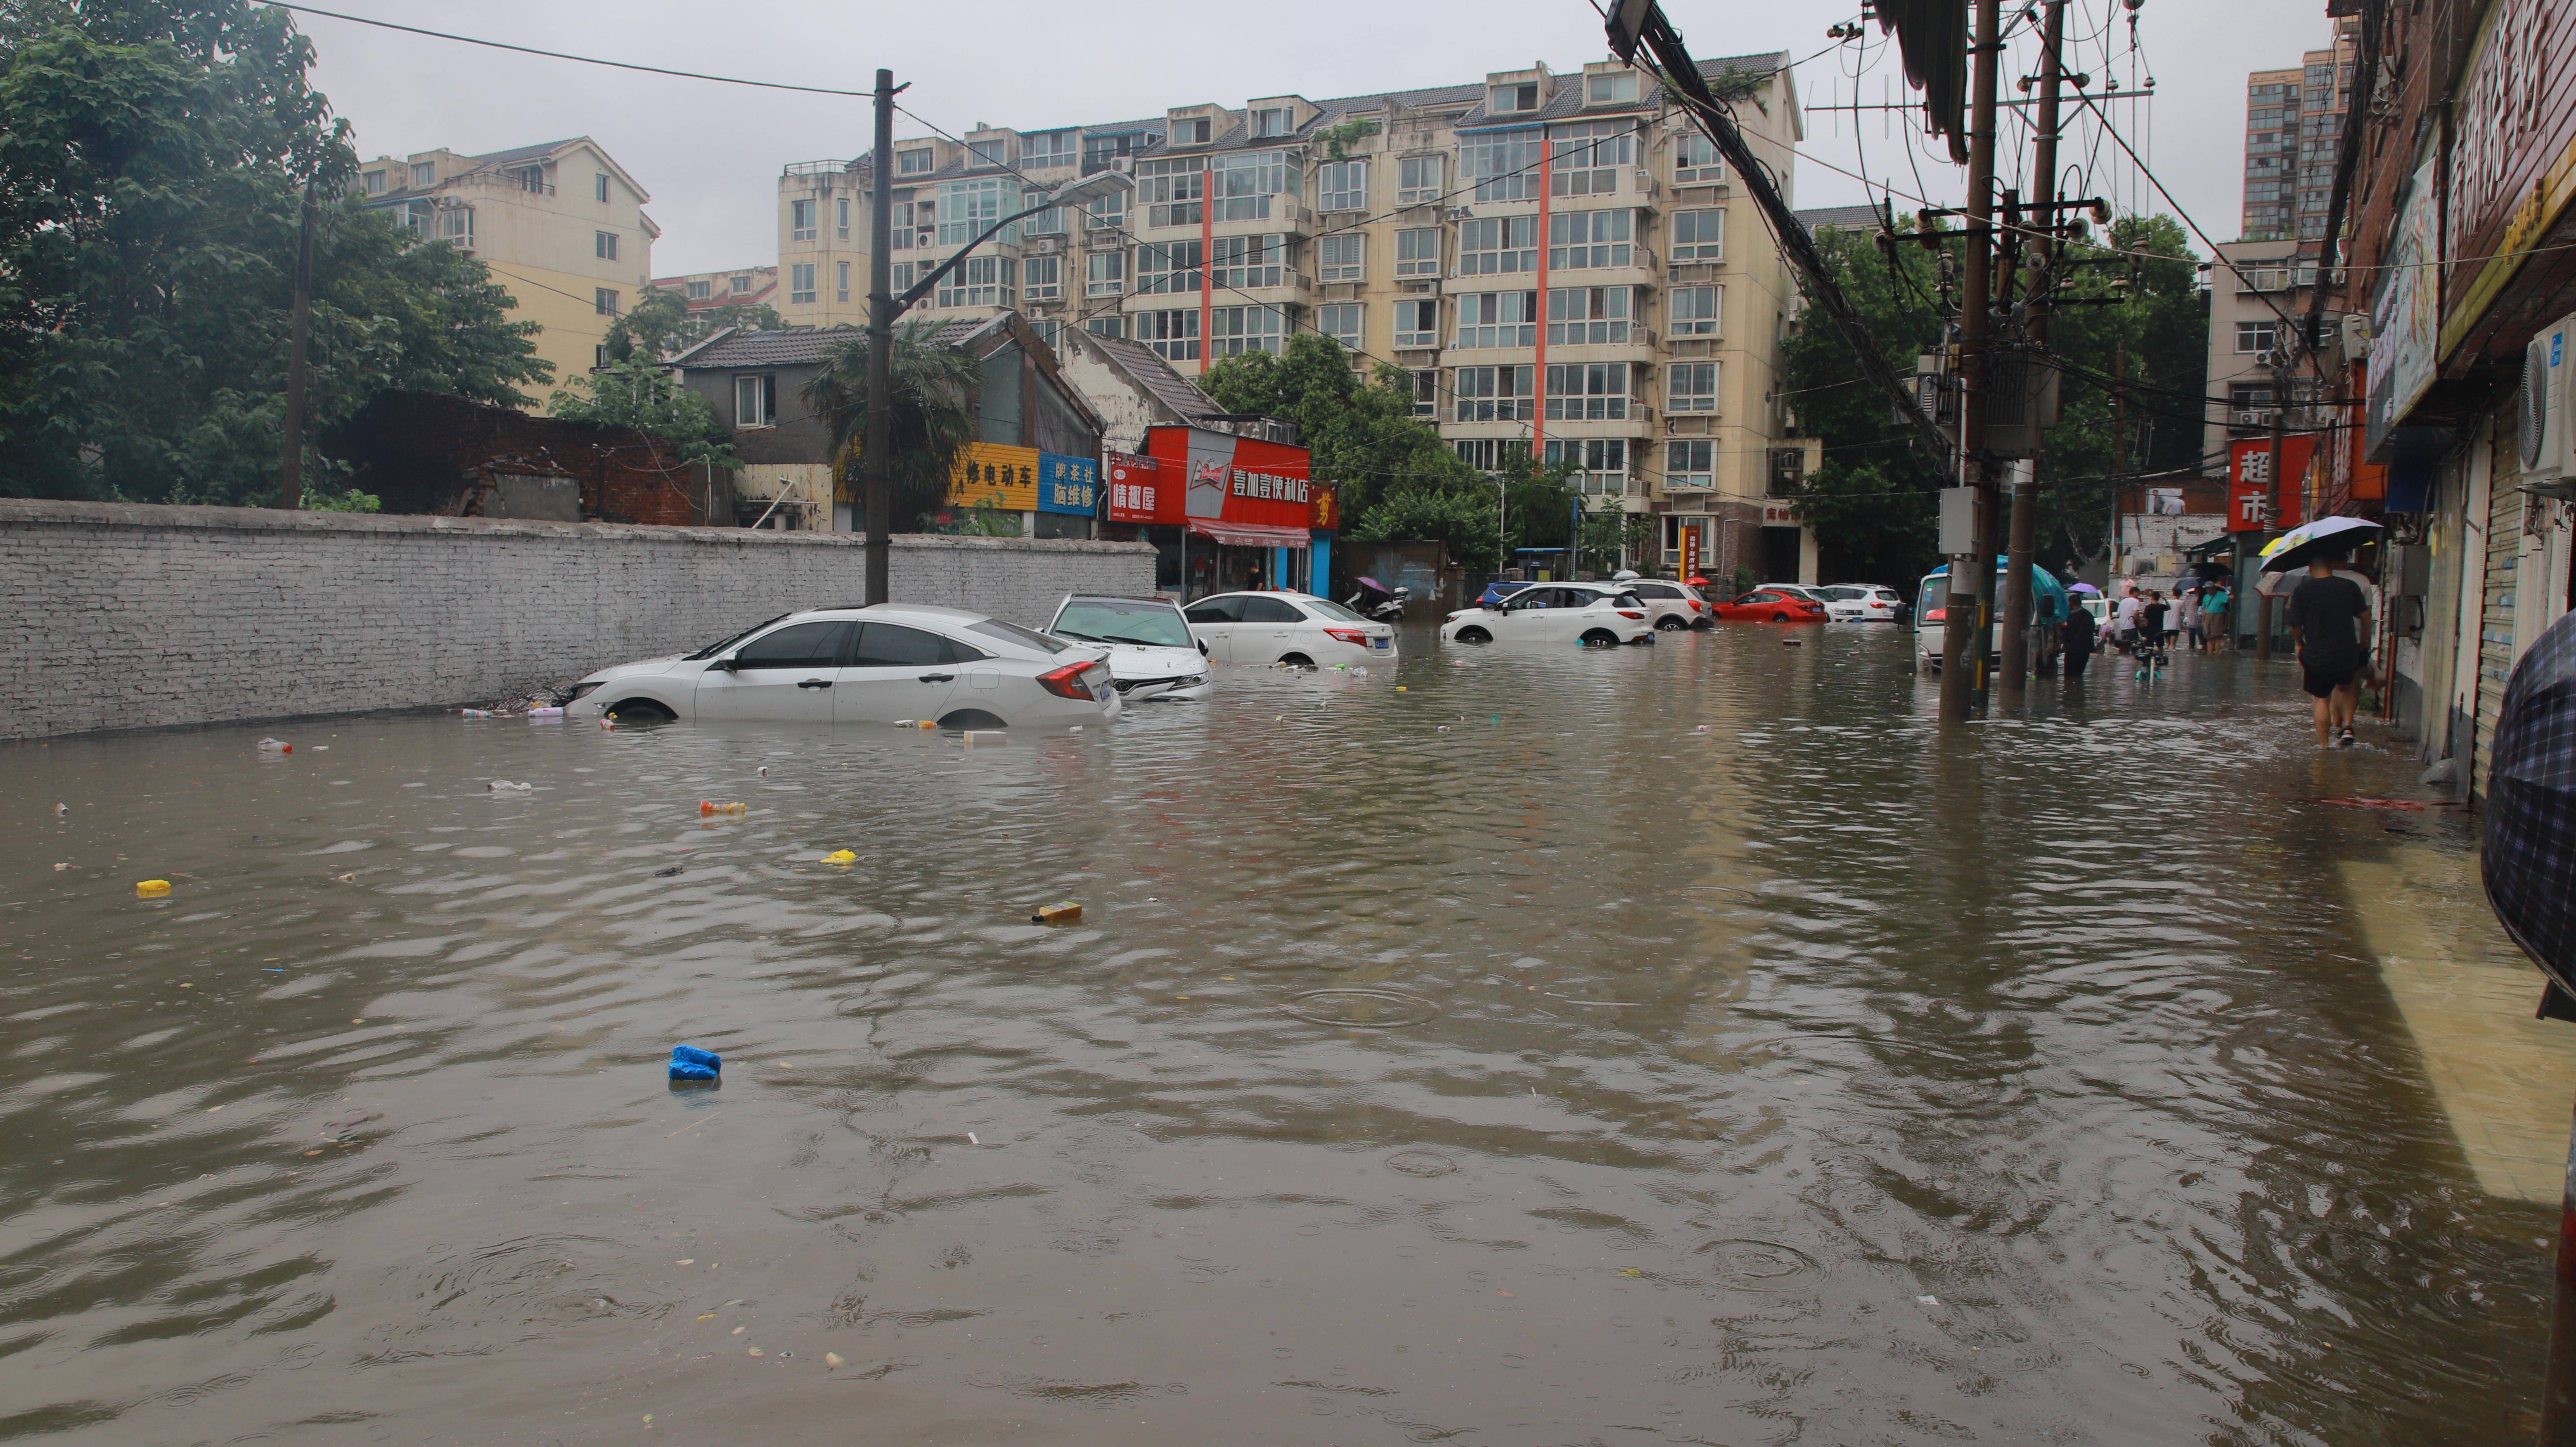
(151, 888)
(1065, 913)
(1399, 688)
(840, 856)
(710, 806)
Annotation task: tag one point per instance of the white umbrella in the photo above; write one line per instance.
(2293, 549)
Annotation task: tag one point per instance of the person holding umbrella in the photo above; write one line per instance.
(2323, 612)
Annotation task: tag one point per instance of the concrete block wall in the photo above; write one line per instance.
(120, 616)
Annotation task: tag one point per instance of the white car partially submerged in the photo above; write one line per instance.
(1861, 603)
(1151, 652)
(1586, 613)
(886, 664)
(1299, 629)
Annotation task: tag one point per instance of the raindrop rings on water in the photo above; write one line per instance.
(1362, 1007)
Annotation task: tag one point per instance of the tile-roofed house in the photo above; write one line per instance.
(1839, 218)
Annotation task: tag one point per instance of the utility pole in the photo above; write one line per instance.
(2025, 494)
(2272, 486)
(2119, 443)
(1963, 632)
(299, 333)
(876, 467)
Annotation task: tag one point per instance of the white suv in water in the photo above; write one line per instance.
(885, 664)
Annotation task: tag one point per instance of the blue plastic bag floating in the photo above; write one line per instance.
(688, 1062)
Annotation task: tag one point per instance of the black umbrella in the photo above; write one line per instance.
(2530, 863)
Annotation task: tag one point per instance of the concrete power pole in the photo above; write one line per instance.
(876, 466)
(2015, 684)
(299, 336)
(1963, 632)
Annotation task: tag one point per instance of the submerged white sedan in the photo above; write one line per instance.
(886, 664)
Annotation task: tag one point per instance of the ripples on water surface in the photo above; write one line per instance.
(1567, 1078)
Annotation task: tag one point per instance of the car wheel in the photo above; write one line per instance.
(1474, 635)
(972, 718)
(1296, 660)
(1779, 617)
(639, 710)
(1668, 623)
(1600, 638)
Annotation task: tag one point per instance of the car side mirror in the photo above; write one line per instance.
(1203, 648)
(725, 664)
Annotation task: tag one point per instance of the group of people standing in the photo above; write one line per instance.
(2146, 621)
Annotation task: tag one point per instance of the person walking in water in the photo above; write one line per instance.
(2081, 637)
(2213, 618)
(2323, 611)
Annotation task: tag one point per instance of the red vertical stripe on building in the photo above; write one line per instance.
(1207, 263)
(1538, 374)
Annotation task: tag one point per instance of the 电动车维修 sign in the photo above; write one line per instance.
(1068, 484)
(991, 475)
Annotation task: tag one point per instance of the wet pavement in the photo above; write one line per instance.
(1494, 1060)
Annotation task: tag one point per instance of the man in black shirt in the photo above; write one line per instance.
(2079, 640)
(2323, 610)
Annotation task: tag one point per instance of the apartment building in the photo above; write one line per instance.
(2293, 120)
(1559, 261)
(708, 290)
(2259, 284)
(561, 225)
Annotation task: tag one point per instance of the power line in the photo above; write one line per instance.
(565, 55)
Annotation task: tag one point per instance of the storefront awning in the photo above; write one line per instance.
(1250, 535)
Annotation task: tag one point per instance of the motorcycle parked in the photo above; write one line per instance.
(1377, 602)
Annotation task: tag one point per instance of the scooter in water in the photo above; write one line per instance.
(1377, 602)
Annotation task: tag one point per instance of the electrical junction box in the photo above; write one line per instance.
(1958, 520)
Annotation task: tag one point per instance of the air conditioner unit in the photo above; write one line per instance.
(2259, 417)
(1645, 181)
(2545, 412)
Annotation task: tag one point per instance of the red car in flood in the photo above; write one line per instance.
(1767, 605)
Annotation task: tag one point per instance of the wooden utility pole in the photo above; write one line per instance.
(299, 334)
(875, 465)
(1963, 632)
(2025, 495)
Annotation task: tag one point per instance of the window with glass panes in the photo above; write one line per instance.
(1342, 186)
(1577, 239)
(1426, 394)
(1249, 260)
(1417, 252)
(980, 281)
(1601, 463)
(841, 287)
(1497, 245)
(1049, 222)
(1587, 392)
(1490, 454)
(1246, 180)
(1105, 273)
(1695, 310)
(1690, 387)
(1056, 148)
(1235, 330)
(912, 163)
(1498, 319)
(902, 217)
(1586, 157)
(1588, 315)
(1341, 258)
(1167, 266)
(1112, 325)
(1417, 323)
(1695, 160)
(1502, 168)
(900, 276)
(800, 220)
(1174, 335)
(1172, 190)
(1042, 278)
(1699, 236)
(1492, 394)
(967, 207)
(800, 281)
(1419, 179)
(1107, 213)
(1345, 322)
(995, 152)
(1689, 466)
(1617, 88)
(701, 290)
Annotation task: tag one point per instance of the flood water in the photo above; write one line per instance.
(1495, 1060)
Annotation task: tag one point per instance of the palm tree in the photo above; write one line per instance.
(933, 401)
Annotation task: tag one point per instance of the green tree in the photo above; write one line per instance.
(152, 167)
(645, 396)
(660, 325)
(1873, 502)
(931, 416)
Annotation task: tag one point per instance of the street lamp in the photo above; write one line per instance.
(877, 485)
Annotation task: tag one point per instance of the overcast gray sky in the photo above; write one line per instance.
(710, 154)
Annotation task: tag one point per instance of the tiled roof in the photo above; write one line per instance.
(1146, 368)
(524, 153)
(1838, 218)
(797, 346)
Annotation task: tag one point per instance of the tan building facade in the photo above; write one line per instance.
(2293, 120)
(708, 290)
(561, 225)
(1559, 261)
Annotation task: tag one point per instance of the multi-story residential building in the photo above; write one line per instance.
(561, 225)
(2256, 285)
(2293, 119)
(1560, 262)
(708, 290)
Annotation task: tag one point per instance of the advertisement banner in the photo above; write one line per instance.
(992, 475)
(1138, 491)
(1690, 550)
(1324, 507)
(2405, 319)
(2250, 485)
(1068, 484)
(1234, 479)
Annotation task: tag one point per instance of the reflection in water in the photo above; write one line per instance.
(1563, 1076)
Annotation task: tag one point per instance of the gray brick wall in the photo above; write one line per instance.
(116, 616)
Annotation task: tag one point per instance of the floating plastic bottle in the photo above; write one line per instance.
(275, 746)
(710, 806)
(688, 1062)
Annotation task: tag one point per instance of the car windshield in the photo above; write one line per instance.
(1332, 610)
(712, 649)
(1116, 620)
(1934, 590)
(1014, 633)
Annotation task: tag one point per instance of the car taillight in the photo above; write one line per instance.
(1071, 681)
(1624, 613)
(1695, 605)
(1351, 636)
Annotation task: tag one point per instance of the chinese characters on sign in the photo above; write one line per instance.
(991, 475)
(1779, 515)
(1136, 490)
(1068, 484)
(2253, 503)
(1269, 486)
(1324, 510)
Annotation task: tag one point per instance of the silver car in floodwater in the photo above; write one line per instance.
(1151, 652)
(887, 664)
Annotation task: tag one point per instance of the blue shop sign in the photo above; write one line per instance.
(1068, 484)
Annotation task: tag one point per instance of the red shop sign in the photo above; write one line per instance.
(1233, 479)
(2250, 483)
(1137, 490)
